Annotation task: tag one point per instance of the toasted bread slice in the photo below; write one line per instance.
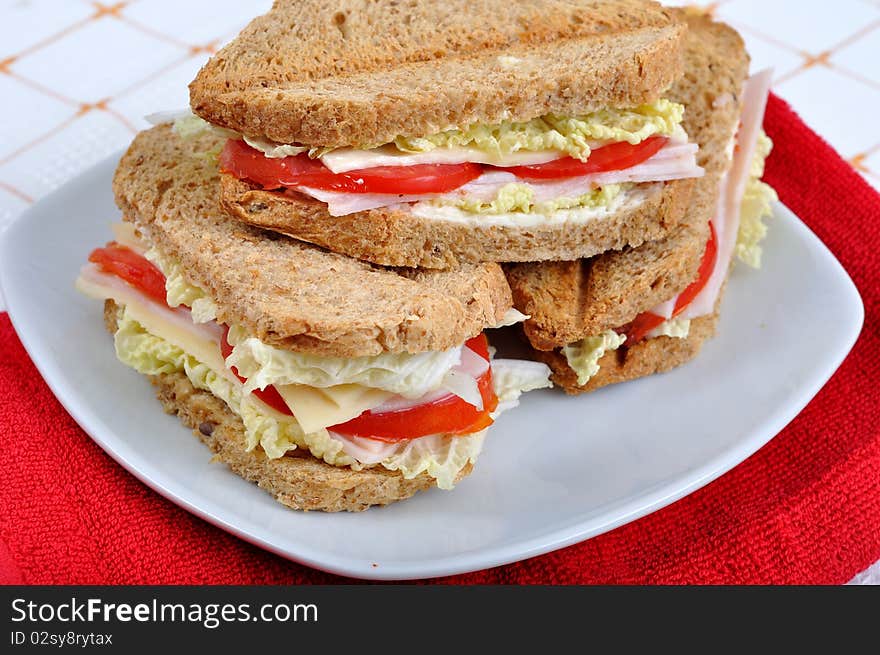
(568, 301)
(285, 292)
(352, 73)
(395, 237)
(298, 479)
(645, 358)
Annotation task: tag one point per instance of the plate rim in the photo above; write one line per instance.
(571, 533)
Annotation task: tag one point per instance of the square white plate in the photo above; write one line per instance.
(555, 471)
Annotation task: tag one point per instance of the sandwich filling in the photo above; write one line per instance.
(413, 413)
(736, 229)
(537, 169)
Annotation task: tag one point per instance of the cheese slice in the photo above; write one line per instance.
(125, 235)
(316, 409)
(174, 326)
(343, 160)
(313, 408)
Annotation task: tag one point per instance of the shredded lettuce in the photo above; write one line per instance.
(678, 328)
(569, 134)
(583, 356)
(513, 377)
(756, 204)
(519, 198)
(410, 375)
(180, 292)
(572, 135)
(274, 150)
(441, 457)
(190, 126)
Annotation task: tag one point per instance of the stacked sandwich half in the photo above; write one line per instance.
(308, 262)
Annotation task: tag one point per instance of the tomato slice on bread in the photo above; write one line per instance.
(646, 321)
(447, 415)
(135, 269)
(244, 162)
(247, 163)
(613, 157)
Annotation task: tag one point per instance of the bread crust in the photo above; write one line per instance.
(646, 358)
(353, 73)
(394, 237)
(298, 479)
(568, 301)
(285, 292)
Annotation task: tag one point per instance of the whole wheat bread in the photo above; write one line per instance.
(645, 358)
(352, 72)
(568, 301)
(298, 479)
(395, 237)
(285, 292)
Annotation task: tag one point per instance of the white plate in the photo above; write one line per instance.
(555, 471)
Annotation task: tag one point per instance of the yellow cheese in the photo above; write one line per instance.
(125, 235)
(315, 408)
(158, 321)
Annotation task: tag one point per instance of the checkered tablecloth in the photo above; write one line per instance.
(77, 77)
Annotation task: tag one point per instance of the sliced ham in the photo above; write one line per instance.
(95, 283)
(364, 450)
(727, 215)
(343, 160)
(676, 160)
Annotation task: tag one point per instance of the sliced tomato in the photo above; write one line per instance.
(480, 345)
(646, 321)
(135, 269)
(447, 415)
(613, 157)
(269, 395)
(244, 162)
(707, 266)
(639, 328)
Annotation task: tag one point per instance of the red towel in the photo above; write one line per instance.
(804, 509)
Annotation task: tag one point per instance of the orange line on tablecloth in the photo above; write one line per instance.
(855, 76)
(102, 10)
(154, 33)
(122, 119)
(49, 39)
(11, 189)
(45, 90)
(852, 38)
(149, 78)
(858, 162)
(39, 139)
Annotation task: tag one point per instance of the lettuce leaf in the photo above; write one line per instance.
(515, 197)
(678, 328)
(410, 375)
(569, 134)
(583, 356)
(180, 292)
(513, 377)
(756, 205)
(441, 457)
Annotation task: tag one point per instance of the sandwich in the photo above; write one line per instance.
(639, 311)
(332, 383)
(445, 133)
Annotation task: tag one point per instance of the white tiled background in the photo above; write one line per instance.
(76, 77)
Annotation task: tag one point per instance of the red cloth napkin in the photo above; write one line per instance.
(804, 509)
